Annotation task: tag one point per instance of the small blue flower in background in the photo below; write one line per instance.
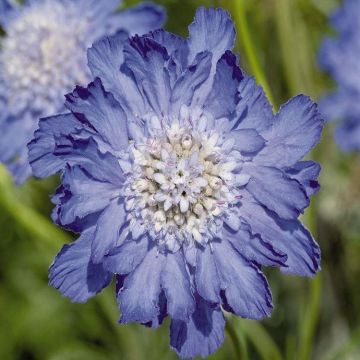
(43, 56)
(181, 181)
(340, 57)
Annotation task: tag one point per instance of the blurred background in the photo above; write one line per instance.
(312, 319)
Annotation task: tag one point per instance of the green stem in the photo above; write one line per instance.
(36, 224)
(244, 34)
(238, 340)
(261, 340)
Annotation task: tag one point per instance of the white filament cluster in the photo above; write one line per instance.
(43, 55)
(184, 182)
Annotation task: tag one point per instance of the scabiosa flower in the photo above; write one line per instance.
(339, 56)
(181, 181)
(43, 56)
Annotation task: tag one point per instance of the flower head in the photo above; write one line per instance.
(181, 181)
(339, 56)
(43, 56)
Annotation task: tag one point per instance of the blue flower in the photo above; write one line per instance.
(339, 56)
(43, 56)
(181, 181)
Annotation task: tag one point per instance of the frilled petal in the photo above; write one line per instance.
(224, 95)
(139, 19)
(290, 237)
(105, 59)
(176, 46)
(246, 291)
(175, 282)
(306, 173)
(102, 111)
(201, 335)
(108, 228)
(73, 273)
(213, 31)
(253, 110)
(277, 191)
(125, 258)
(294, 132)
(147, 60)
(42, 157)
(139, 296)
(82, 195)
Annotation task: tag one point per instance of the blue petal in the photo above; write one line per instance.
(246, 290)
(224, 95)
(201, 335)
(20, 168)
(147, 60)
(126, 257)
(99, 8)
(102, 111)
(206, 276)
(342, 103)
(348, 135)
(213, 31)
(247, 141)
(139, 19)
(254, 248)
(13, 151)
(139, 297)
(73, 273)
(105, 59)
(176, 46)
(276, 191)
(290, 237)
(41, 149)
(176, 284)
(306, 173)
(107, 230)
(6, 8)
(295, 130)
(156, 322)
(253, 110)
(189, 81)
(83, 195)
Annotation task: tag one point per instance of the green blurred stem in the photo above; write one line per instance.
(41, 228)
(261, 340)
(245, 38)
(237, 339)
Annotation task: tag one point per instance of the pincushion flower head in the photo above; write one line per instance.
(43, 56)
(181, 181)
(339, 56)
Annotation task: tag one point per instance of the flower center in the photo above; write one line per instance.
(182, 185)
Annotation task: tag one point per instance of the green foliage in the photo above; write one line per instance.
(318, 319)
